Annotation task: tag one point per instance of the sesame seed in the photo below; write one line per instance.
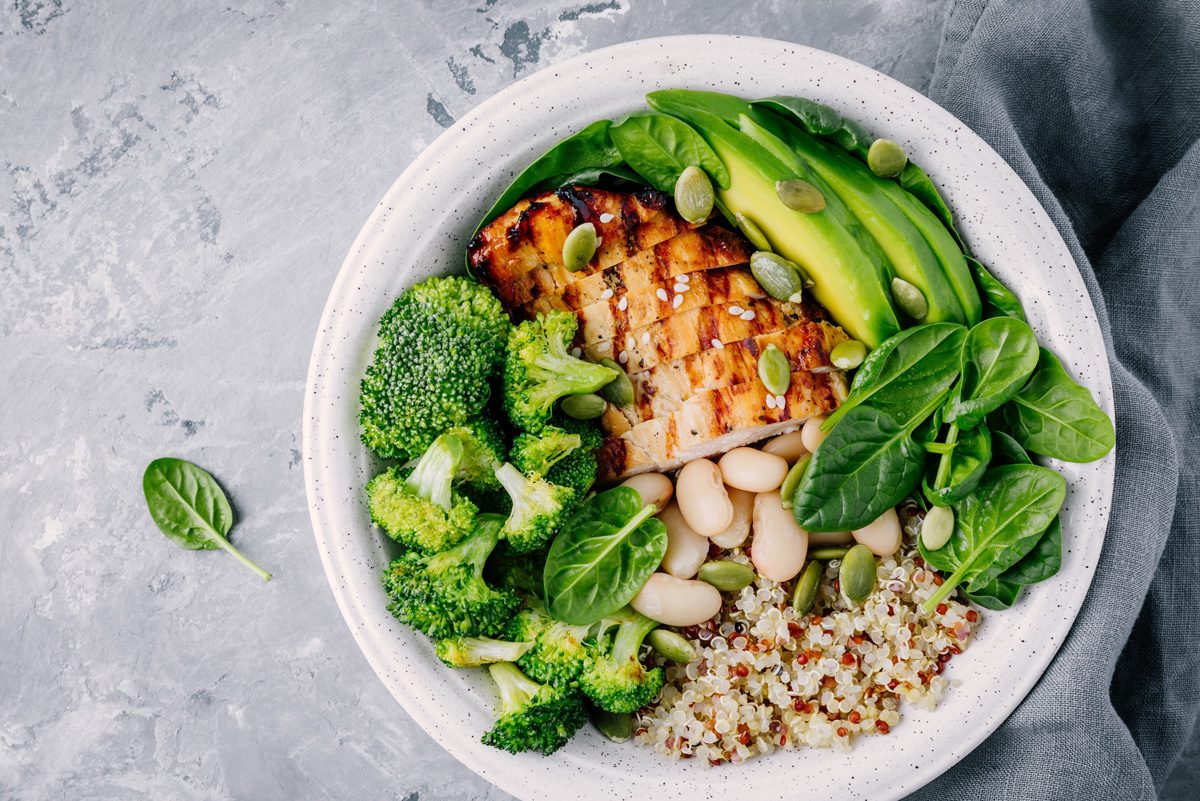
(606, 294)
(781, 401)
(685, 278)
(681, 287)
(661, 294)
(748, 315)
(623, 303)
(606, 217)
(623, 357)
(736, 310)
(718, 344)
(677, 301)
(646, 338)
(629, 342)
(770, 401)
(604, 346)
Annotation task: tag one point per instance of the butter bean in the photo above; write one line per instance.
(811, 435)
(753, 470)
(882, 536)
(702, 497)
(739, 527)
(790, 446)
(677, 602)
(686, 550)
(779, 545)
(655, 488)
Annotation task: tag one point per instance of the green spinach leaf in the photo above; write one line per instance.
(602, 556)
(819, 119)
(996, 526)
(188, 505)
(998, 356)
(659, 148)
(1006, 450)
(1054, 416)
(589, 152)
(868, 464)
(998, 595)
(966, 464)
(913, 179)
(1043, 560)
(906, 371)
(998, 300)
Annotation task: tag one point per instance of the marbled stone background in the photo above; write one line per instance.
(179, 184)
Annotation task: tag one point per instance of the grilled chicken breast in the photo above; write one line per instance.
(673, 304)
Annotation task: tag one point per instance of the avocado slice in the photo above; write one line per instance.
(864, 194)
(851, 276)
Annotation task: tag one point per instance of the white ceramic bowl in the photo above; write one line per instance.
(421, 228)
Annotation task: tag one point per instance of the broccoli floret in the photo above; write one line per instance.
(439, 344)
(615, 678)
(559, 651)
(484, 450)
(535, 454)
(538, 369)
(418, 506)
(578, 469)
(538, 508)
(533, 717)
(465, 652)
(444, 594)
(520, 572)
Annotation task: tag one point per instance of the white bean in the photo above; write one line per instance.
(677, 602)
(811, 435)
(790, 446)
(819, 539)
(702, 497)
(739, 527)
(753, 470)
(779, 545)
(882, 536)
(686, 550)
(655, 488)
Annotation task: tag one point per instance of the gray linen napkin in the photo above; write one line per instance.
(1097, 106)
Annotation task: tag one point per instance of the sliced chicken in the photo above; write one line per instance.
(717, 420)
(690, 252)
(530, 235)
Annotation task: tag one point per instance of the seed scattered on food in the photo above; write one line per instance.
(770, 401)
(680, 287)
(623, 303)
(576, 352)
(780, 401)
(606, 217)
(629, 341)
(686, 278)
(662, 295)
(736, 310)
(748, 315)
(606, 294)
(646, 338)
(718, 344)
(677, 301)
(623, 357)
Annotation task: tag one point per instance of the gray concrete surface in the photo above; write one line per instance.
(180, 183)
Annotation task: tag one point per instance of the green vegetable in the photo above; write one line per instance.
(752, 232)
(997, 357)
(585, 155)
(533, 717)
(914, 180)
(856, 575)
(616, 726)
(848, 355)
(867, 464)
(538, 508)
(1043, 560)
(444, 594)
(1006, 450)
(906, 371)
(956, 474)
(999, 299)
(190, 508)
(537, 454)
(886, 158)
(726, 575)
(997, 595)
(603, 556)
(538, 369)
(909, 299)
(616, 680)
(807, 587)
(583, 407)
(787, 490)
(660, 148)
(1054, 416)
(828, 553)
(672, 645)
(937, 527)
(619, 391)
(579, 247)
(558, 651)
(577, 470)
(774, 370)
(996, 526)
(439, 345)
(466, 652)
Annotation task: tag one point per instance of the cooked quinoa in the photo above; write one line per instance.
(765, 679)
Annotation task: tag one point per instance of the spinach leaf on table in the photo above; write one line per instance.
(190, 508)
(998, 356)
(996, 526)
(868, 464)
(967, 462)
(1054, 416)
(906, 371)
(602, 556)
(659, 148)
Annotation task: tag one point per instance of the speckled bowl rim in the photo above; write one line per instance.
(421, 227)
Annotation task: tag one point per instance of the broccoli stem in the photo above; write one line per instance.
(516, 689)
(433, 476)
(474, 651)
(513, 481)
(563, 374)
(629, 638)
(475, 549)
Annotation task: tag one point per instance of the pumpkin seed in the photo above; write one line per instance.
(616, 726)
(910, 299)
(694, 195)
(856, 576)
(579, 247)
(848, 355)
(937, 527)
(726, 575)
(672, 645)
(619, 391)
(828, 552)
(807, 587)
(583, 407)
(886, 158)
(787, 491)
(752, 232)
(800, 195)
(774, 370)
(778, 277)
